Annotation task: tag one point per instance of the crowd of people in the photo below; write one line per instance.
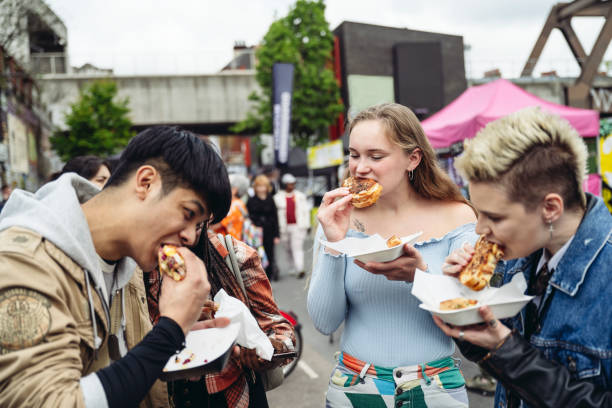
(87, 319)
(264, 220)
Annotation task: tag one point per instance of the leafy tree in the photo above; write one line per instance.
(97, 124)
(304, 39)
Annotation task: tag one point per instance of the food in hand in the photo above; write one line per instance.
(457, 303)
(393, 241)
(478, 272)
(365, 191)
(209, 309)
(171, 262)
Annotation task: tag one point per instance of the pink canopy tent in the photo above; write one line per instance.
(479, 105)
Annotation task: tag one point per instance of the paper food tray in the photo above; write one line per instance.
(371, 249)
(208, 350)
(504, 302)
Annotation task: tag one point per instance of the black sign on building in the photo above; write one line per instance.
(427, 68)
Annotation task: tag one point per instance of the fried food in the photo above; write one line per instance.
(209, 309)
(393, 241)
(171, 262)
(478, 272)
(365, 191)
(457, 303)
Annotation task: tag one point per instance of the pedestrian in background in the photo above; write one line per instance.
(93, 168)
(234, 220)
(264, 214)
(293, 220)
(272, 173)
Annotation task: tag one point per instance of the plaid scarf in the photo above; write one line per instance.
(233, 379)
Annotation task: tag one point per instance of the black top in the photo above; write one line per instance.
(127, 381)
(264, 214)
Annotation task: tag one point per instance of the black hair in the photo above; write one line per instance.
(112, 162)
(182, 160)
(85, 166)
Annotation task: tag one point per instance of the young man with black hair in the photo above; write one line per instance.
(66, 254)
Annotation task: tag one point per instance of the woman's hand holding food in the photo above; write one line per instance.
(457, 260)
(400, 269)
(334, 213)
(489, 335)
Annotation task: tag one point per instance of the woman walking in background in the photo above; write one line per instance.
(234, 220)
(263, 213)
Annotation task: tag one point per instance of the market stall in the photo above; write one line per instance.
(479, 105)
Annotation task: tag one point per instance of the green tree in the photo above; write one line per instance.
(97, 124)
(304, 39)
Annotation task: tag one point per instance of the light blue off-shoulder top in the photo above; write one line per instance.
(383, 324)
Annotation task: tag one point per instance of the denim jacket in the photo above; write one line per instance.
(576, 329)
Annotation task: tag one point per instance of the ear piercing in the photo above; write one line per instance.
(550, 228)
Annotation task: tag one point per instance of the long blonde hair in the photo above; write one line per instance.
(404, 130)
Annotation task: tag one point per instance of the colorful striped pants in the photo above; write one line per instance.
(355, 383)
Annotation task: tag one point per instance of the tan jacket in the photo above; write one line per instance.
(47, 339)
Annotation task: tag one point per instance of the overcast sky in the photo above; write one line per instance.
(197, 36)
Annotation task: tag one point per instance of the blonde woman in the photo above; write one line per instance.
(525, 173)
(391, 352)
(263, 213)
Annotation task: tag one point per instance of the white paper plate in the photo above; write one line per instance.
(470, 315)
(388, 254)
(207, 350)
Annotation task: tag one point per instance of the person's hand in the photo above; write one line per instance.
(400, 269)
(457, 260)
(334, 213)
(208, 310)
(219, 322)
(276, 240)
(248, 357)
(182, 301)
(488, 335)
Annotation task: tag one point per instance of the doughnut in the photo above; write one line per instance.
(365, 191)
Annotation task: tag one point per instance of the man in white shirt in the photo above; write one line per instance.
(293, 220)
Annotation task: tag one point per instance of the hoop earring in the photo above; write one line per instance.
(411, 175)
(550, 228)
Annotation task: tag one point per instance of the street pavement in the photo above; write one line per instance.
(306, 386)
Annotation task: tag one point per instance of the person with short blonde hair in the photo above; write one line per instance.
(531, 150)
(525, 173)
